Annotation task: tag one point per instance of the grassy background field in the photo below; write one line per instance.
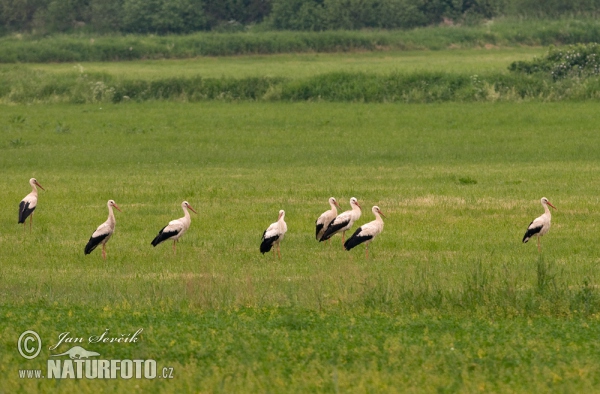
(450, 299)
(495, 60)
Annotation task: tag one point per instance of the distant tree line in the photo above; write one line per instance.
(186, 16)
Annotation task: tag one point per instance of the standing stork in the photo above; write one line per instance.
(176, 228)
(343, 221)
(540, 225)
(274, 235)
(28, 204)
(367, 232)
(103, 232)
(326, 218)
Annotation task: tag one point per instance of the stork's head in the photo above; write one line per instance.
(546, 202)
(112, 203)
(354, 201)
(281, 215)
(186, 205)
(333, 201)
(33, 182)
(376, 211)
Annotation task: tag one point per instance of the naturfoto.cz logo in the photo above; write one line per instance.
(82, 363)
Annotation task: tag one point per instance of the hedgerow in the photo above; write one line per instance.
(581, 61)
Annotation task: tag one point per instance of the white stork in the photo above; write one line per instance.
(343, 221)
(540, 225)
(103, 232)
(367, 232)
(28, 204)
(176, 228)
(326, 218)
(274, 235)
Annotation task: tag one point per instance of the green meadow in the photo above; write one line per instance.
(450, 299)
(300, 65)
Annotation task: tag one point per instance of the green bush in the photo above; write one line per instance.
(579, 61)
(88, 47)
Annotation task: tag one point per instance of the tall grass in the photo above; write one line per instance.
(25, 86)
(450, 299)
(503, 32)
(439, 250)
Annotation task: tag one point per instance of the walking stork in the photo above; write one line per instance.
(540, 225)
(176, 228)
(367, 232)
(28, 204)
(326, 218)
(103, 232)
(274, 234)
(343, 221)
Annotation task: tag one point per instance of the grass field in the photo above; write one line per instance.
(304, 65)
(451, 300)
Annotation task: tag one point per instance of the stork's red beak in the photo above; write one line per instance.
(381, 213)
(117, 208)
(190, 207)
(36, 182)
(551, 205)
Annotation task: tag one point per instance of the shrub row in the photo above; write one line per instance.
(580, 61)
(70, 48)
(186, 16)
(26, 86)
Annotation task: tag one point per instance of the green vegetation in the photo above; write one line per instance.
(187, 16)
(96, 48)
(298, 66)
(578, 61)
(451, 300)
(452, 75)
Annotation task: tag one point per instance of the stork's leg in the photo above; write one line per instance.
(279, 251)
(539, 249)
(367, 251)
(104, 251)
(30, 221)
(343, 236)
(174, 247)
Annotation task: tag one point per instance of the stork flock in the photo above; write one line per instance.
(326, 225)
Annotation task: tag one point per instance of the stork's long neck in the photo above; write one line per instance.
(111, 215)
(546, 210)
(333, 208)
(186, 214)
(356, 211)
(33, 189)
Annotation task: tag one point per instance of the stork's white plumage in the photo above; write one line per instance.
(274, 234)
(326, 218)
(540, 225)
(28, 204)
(367, 232)
(103, 232)
(343, 221)
(176, 228)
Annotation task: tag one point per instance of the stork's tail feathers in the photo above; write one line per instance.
(160, 237)
(355, 240)
(319, 227)
(24, 211)
(89, 248)
(93, 243)
(267, 244)
(530, 233)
